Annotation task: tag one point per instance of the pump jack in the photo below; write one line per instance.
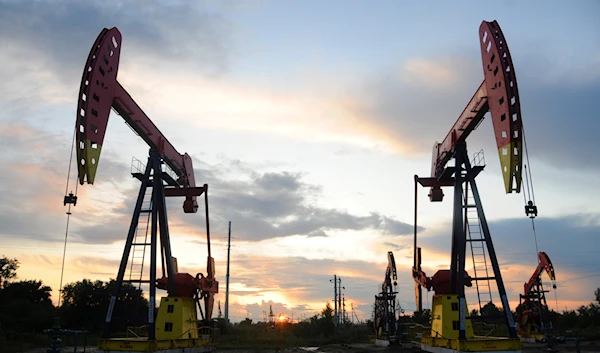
(451, 329)
(176, 324)
(385, 320)
(533, 324)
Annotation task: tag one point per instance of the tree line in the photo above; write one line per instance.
(26, 309)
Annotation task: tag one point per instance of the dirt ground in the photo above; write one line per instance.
(569, 347)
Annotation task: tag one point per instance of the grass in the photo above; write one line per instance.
(13, 342)
(262, 337)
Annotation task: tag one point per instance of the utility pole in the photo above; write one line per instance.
(354, 314)
(227, 278)
(335, 301)
(339, 301)
(344, 306)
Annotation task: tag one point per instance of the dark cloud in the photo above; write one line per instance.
(558, 112)
(64, 31)
(277, 204)
(35, 181)
(568, 239)
(30, 225)
(561, 123)
(394, 246)
(418, 113)
(106, 231)
(571, 242)
(563, 238)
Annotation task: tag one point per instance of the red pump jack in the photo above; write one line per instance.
(176, 325)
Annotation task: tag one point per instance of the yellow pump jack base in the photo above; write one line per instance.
(531, 334)
(177, 331)
(443, 337)
(532, 338)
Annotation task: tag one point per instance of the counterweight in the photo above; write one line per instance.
(497, 94)
(98, 93)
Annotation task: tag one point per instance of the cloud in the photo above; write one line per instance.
(442, 73)
(256, 286)
(280, 204)
(175, 62)
(33, 190)
(561, 237)
(402, 110)
(35, 183)
(45, 45)
(262, 205)
(569, 241)
(418, 103)
(64, 31)
(254, 282)
(560, 123)
(183, 56)
(394, 246)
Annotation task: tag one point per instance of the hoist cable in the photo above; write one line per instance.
(535, 240)
(530, 191)
(527, 184)
(530, 180)
(556, 299)
(70, 162)
(529, 188)
(62, 269)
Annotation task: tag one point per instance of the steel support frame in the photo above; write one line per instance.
(152, 177)
(536, 302)
(385, 312)
(458, 256)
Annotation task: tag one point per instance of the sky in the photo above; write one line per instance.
(308, 121)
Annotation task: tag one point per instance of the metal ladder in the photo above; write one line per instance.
(140, 240)
(474, 235)
(481, 269)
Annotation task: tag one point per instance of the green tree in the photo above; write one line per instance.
(8, 269)
(25, 306)
(597, 295)
(325, 323)
(85, 304)
(327, 312)
(246, 322)
(491, 310)
(422, 317)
